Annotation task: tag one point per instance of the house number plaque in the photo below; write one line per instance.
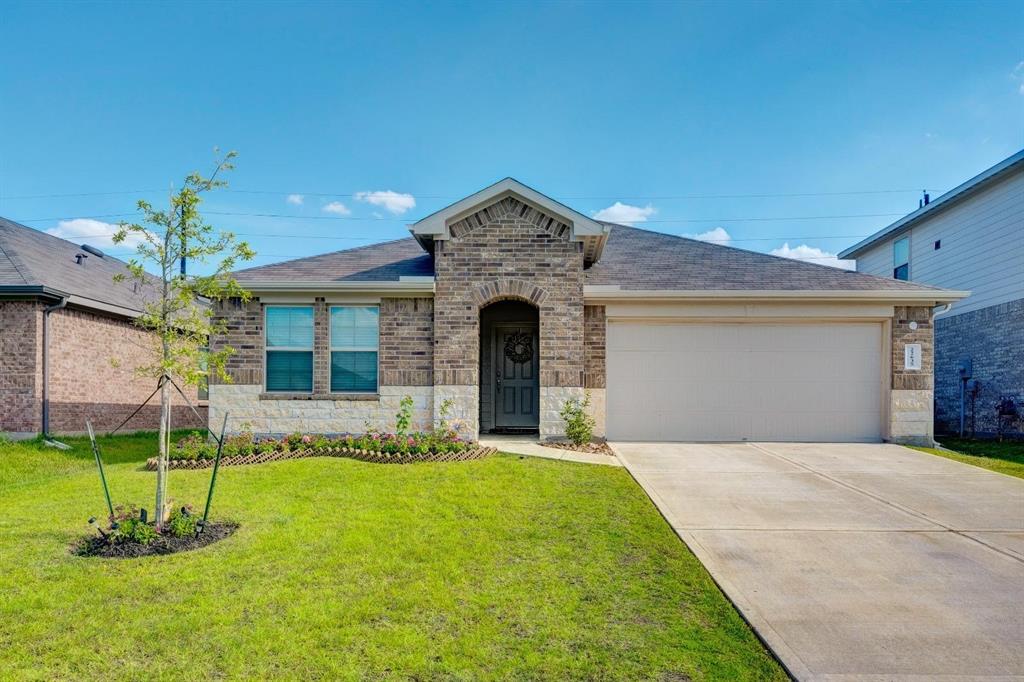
(912, 356)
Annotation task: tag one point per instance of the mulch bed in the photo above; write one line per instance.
(96, 546)
(351, 453)
(596, 448)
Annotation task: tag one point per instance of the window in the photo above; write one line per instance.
(901, 258)
(289, 334)
(938, 244)
(354, 339)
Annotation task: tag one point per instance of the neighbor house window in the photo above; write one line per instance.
(290, 348)
(354, 349)
(901, 258)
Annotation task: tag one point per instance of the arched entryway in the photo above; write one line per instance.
(509, 367)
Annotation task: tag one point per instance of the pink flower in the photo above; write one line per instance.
(307, 439)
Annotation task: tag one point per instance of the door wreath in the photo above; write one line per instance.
(519, 347)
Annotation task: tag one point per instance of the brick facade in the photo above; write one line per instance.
(243, 324)
(407, 342)
(508, 251)
(910, 400)
(21, 373)
(594, 331)
(993, 338)
(93, 363)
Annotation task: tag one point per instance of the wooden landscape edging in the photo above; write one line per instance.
(473, 453)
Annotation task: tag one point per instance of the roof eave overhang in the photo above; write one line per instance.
(602, 293)
(31, 291)
(947, 200)
(435, 227)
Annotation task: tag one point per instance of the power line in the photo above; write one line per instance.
(352, 195)
(407, 220)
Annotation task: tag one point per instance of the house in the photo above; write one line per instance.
(970, 238)
(507, 303)
(68, 345)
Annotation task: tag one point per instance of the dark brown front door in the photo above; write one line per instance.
(516, 383)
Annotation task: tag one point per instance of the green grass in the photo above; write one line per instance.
(503, 568)
(1006, 457)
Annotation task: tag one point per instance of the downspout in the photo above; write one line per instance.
(46, 361)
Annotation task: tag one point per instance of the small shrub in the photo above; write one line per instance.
(295, 441)
(404, 417)
(182, 522)
(579, 426)
(130, 526)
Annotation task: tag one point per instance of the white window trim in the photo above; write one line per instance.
(288, 349)
(358, 349)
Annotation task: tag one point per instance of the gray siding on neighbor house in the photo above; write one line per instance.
(982, 248)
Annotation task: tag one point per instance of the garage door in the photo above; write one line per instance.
(744, 381)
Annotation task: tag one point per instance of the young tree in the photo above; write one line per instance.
(177, 309)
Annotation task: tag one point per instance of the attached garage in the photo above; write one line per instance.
(744, 380)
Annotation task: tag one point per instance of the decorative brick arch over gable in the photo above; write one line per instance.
(509, 290)
(510, 208)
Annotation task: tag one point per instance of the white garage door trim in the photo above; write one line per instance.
(769, 380)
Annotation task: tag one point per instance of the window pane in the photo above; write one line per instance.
(354, 371)
(901, 272)
(353, 327)
(900, 252)
(290, 327)
(290, 371)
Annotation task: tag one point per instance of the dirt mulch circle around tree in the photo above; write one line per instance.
(350, 453)
(97, 546)
(594, 448)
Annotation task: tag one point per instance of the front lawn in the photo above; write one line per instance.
(502, 568)
(1006, 457)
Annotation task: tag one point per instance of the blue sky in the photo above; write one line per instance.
(678, 112)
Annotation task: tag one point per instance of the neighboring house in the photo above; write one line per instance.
(508, 303)
(68, 345)
(970, 238)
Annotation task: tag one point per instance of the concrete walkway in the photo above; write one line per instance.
(854, 561)
(528, 446)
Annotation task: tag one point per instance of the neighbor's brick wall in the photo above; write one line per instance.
(21, 374)
(93, 362)
(594, 332)
(407, 342)
(244, 333)
(508, 250)
(993, 338)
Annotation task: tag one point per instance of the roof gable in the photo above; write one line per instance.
(438, 225)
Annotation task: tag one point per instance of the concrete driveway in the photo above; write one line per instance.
(853, 561)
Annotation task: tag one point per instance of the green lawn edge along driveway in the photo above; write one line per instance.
(504, 568)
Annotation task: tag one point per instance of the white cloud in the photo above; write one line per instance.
(295, 199)
(812, 254)
(715, 236)
(625, 214)
(93, 232)
(337, 208)
(392, 202)
(1018, 75)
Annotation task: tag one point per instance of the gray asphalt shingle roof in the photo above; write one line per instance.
(32, 258)
(383, 262)
(640, 259)
(632, 259)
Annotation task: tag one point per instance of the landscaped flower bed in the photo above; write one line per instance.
(195, 452)
(131, 535)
